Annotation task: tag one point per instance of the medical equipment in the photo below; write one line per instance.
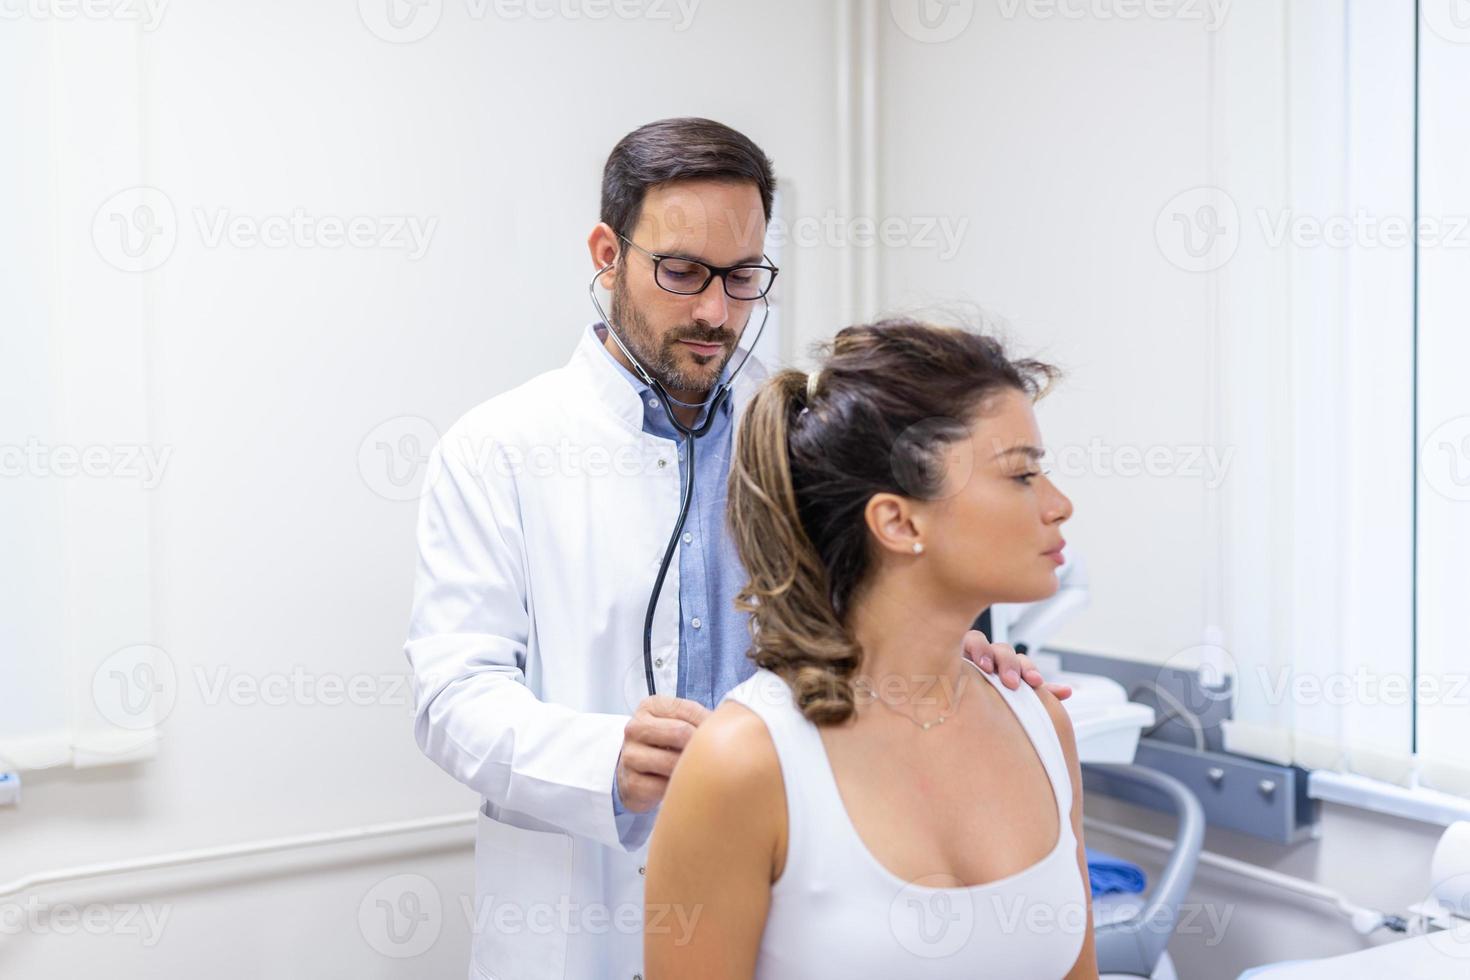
(712, 405)
(1132, 936)
(1439, 944)
(1132, 932)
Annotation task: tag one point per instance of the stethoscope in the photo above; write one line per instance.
(712, 405)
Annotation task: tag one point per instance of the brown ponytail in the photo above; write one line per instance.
(889, 399)
(797, 632)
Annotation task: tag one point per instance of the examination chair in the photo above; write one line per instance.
(1132, 938)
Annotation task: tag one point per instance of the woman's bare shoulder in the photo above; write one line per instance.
(732, 751)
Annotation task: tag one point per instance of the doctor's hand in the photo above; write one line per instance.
(652, 742)
(1013, 667)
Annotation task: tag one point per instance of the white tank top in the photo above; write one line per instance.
(837, 912)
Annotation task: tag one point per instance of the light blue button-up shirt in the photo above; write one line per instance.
(713, 635)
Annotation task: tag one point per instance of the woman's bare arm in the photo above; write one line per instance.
(716, 847)
(1086, 966)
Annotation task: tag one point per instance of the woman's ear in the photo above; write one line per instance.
(894, 523)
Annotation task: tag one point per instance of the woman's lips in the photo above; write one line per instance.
(707, 350)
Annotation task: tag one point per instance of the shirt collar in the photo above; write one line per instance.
(598, 332)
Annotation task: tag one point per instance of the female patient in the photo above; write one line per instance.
(869, 804)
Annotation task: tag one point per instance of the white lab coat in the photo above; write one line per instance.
(544, 516)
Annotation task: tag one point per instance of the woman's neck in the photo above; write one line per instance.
(908, 637)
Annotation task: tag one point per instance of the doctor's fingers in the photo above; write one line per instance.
(648, 760)
(669, 733)
(994, 658)
(663, 706)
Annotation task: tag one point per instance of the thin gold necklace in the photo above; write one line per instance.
(925, 725)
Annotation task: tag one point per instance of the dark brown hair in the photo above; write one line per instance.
(678, 149)
(889, 398)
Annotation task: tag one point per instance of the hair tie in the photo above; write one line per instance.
(811, 385)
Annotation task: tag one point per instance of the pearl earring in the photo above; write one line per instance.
(918, 547)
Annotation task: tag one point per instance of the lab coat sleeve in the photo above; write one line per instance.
(474, 715)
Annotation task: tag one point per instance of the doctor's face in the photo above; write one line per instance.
(686, 340)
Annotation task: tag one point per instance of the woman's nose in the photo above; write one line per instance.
(1058, 505)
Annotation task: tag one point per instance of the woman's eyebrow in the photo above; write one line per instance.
(1032, 451)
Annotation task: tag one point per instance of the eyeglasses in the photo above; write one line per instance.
(688, 277)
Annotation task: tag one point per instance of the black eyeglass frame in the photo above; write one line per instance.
(714, 270)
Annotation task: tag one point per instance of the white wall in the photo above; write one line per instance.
(1059, 141)
(267, 369)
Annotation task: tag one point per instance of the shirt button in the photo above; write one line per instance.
(688, 537)
(662, 463)
(653, 403)
(658, 661)
(695, 622)
(643, 869)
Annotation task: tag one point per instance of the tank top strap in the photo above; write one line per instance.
(800, 752)
(1042, 732)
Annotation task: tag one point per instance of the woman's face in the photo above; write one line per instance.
(995, 529)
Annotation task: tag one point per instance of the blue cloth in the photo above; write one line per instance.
(713, 635)
(1110, 874)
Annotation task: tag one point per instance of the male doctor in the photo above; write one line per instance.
(541, 533)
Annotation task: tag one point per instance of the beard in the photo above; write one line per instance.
(662, 359)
